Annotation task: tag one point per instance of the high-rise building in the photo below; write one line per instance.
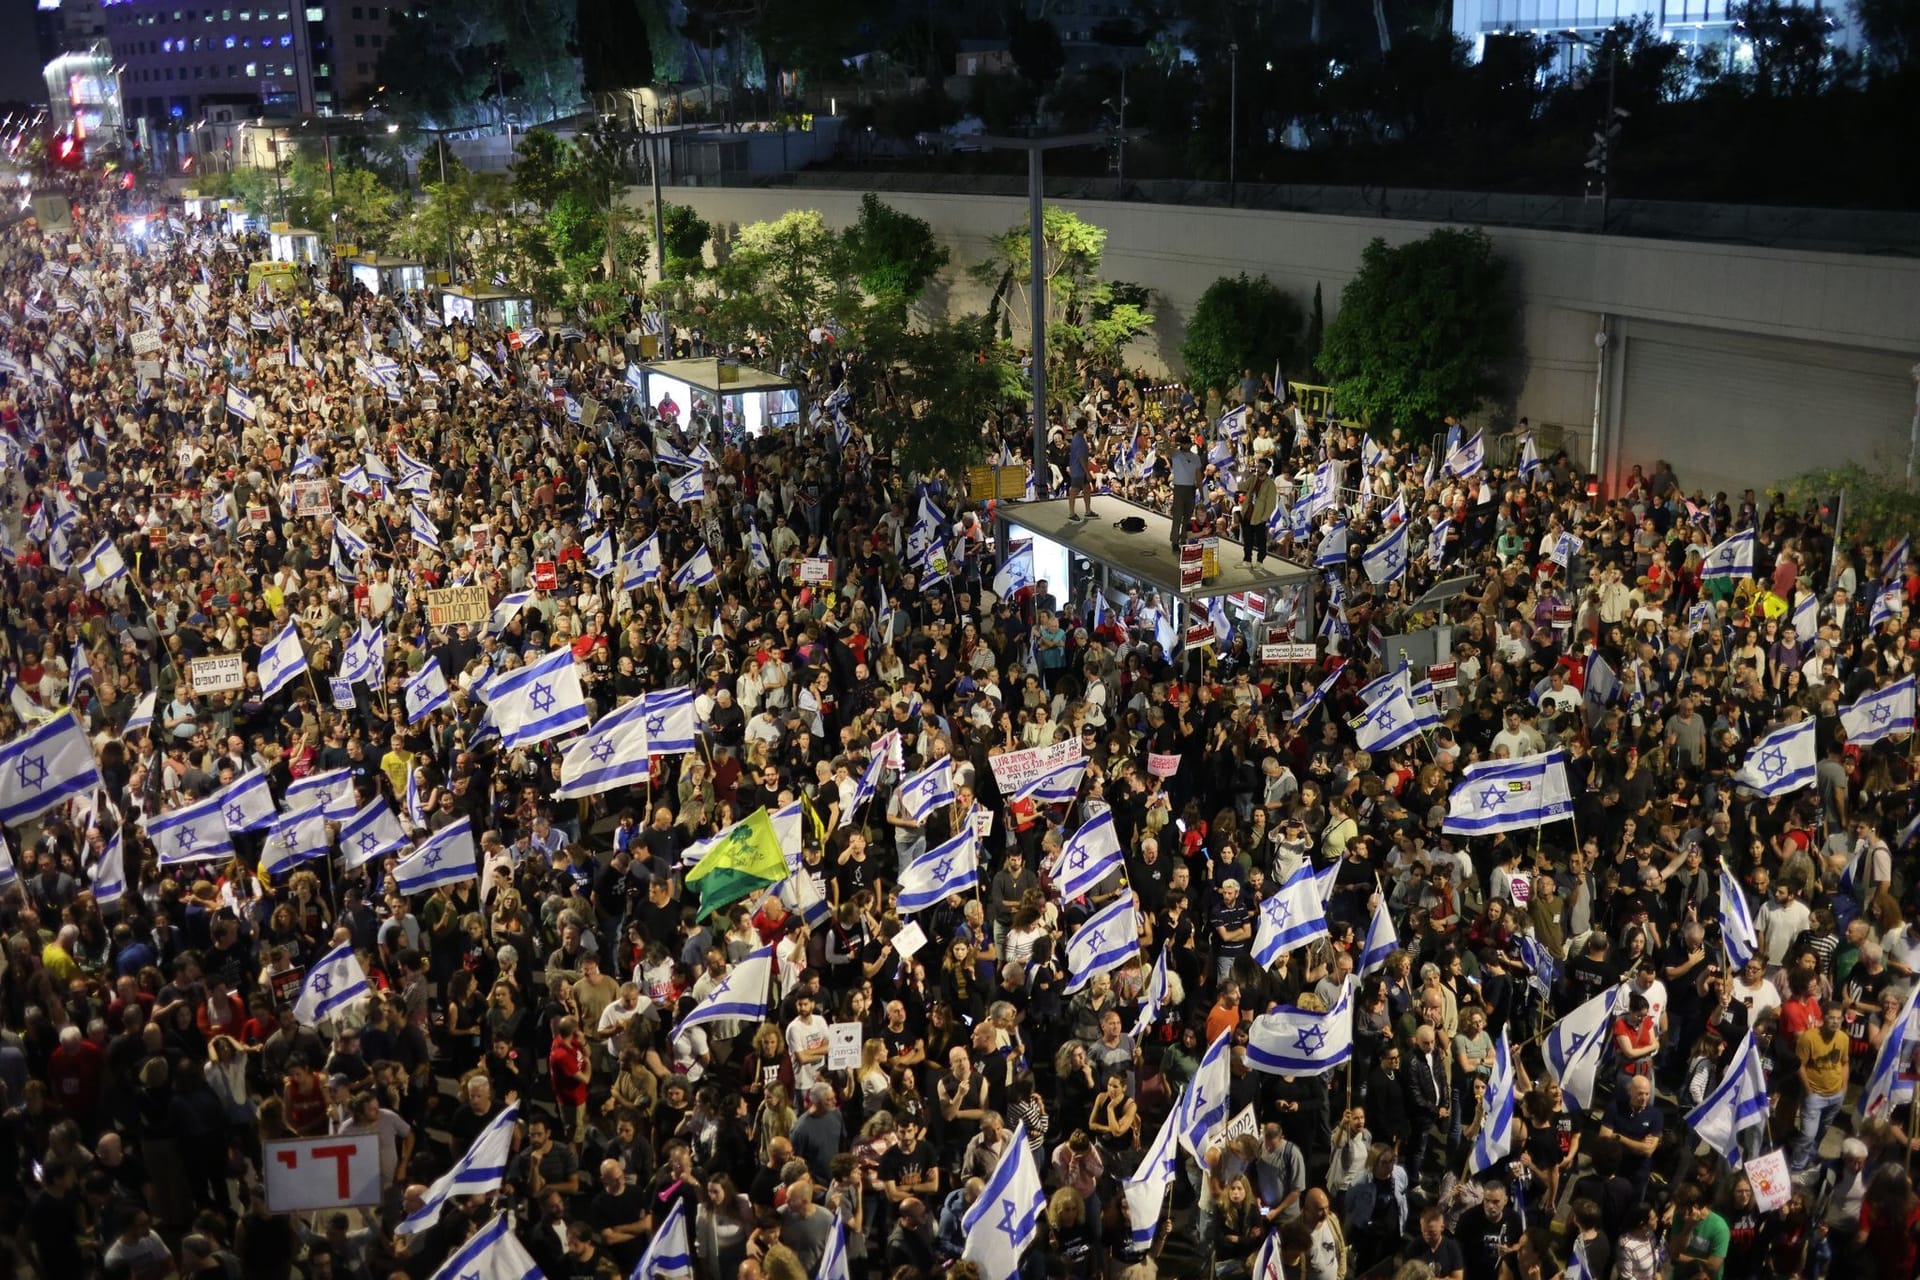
(1694, 22)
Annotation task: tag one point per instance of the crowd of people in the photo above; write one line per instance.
(163, 1025)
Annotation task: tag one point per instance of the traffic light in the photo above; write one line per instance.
(1832, 509)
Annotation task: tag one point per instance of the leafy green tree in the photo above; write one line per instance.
(686, 235)
(355, 204)
(1423, 329)
(1240, 322)
(1879, 506)
(541, 165)
(1083, 317)
(926, 395)
(616, 48)
(892, 254)
(778, 280)
(1892, 29)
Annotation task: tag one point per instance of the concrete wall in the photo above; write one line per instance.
(1570, 284)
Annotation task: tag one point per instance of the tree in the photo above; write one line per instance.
(1879, 507)
(892, 254)
(541, 161)
(1034, 45)
(1423, 329)
(779, 279)
(1240, 323)
(686, 235)
(1892, 29)
(927, 395)
(616, 51)
(1789, 43)
(1082, 314)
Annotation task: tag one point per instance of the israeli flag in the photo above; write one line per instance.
(1782, 761)
(1510, 795)
(1104, 941)
(668, 1255)
(420, 525)
(928, 790)
(1437, 541)
(670, 721)
(1290, 919)
(448, 857)
(1530, 459)
(1091, 855)
(640, 564)
(307, 463)
(1893, 565)
(351, 540)
(294, 839)
(868, 784)
(335, 981)
(246, 803)
(540, 701)
(599, 553)
(697, 572)
(480, 368)
(1202, 1109)
(1332, 551)
(741, 995)
(109, 877)
(1300, 1042)
(142, 716)
(506, 611)
(1058, 785)
(1146, 1190)
(1880, 714)
(613, 754)
(1233, 423)
(691, 487)
(240, 404)
(1731, 559)
(1887, 607)
(1389, 722)
(1154, 995)
(192, 833)
(833, 1259)
(1314, 699)
(427, 691)
(1885, 1088)
(1806, 617)
(1738, 1103)
(102, 565)
(953, 867)
(1386, 559)
(1469, 458)
(482, 1169)
(330, 792)
(1006, 1217)
(1574, 1046)
(1495, 1139)
(1542, 969)
(757, 554)
(371, 833)
(1741, 939)
(79, 673)
(1016, 574)
(1382, 939)
(1321, 495)
(282, 660)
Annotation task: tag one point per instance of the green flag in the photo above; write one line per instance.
(740, 860)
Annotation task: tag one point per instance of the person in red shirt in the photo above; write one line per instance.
(1802, 1007)
(567, 1065)
(222, 1013)
(74, 1072)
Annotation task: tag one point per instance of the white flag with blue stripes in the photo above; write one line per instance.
(1782, 761)
(1016, 574)
(1104, 941)
(1510, 795)
(1880, 714)
(1495, 1139)
(1090, 855)
(691, 487)
(1058, 785)
(1314, 699)
(1893, 565)
(1382, 939)
(1884, 1087)
(868, 783)
(1006, 1217)
(953, 867)
(928, 790)
(80, 672)
(1736, 922)
(1738, 1103)
(741, 995)
(44, 767)
(282, 660)
(1887, 607)
(246, 803)
(1386, 559)
(670, 721)
(102, 565)
(1469, 458)
(613, 754)
(294, 839)
(1389, 722)
(427, 691)
(420, 525)
(640, 564)
(540, 701)
(192, 833)
(1731, 559)
(482, 1169)
(335, 980)
(447, 857)
(1202, 1108)
(371, 833)
(1574, 1046)
(506, 611)
(1332, 551)
(1302, 1042)
(1146, 1189)
(1153, 995)
(599, 553)
(331, 792)
(109, 874)
(1289, 919)
(696, 572)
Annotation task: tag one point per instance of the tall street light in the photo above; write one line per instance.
(1600, 154)
(1036, 271)
(1233, 117)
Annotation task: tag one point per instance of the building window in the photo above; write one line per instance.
(253, 70)
(356, 13)
(376, 42)
(359, 42)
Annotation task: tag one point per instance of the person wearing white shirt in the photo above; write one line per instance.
(807, 1040)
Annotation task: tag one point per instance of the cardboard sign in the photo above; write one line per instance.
(843, 1046)
(1289, 652)
(305, 1175)
(145, 342)
(286, 984)
(259, 517)
(982, 820)
(1013, 770)
(450, 605)
(218, 673)
(545, 576)
(312, 498)
(1162, 766)
(1193, 568)
(478, 534)
(1444, 675)
(1243, 1125)
(815, 569)
(1248, 602)
(909, 940)
(1772, 1180)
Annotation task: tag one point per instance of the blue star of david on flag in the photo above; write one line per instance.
(541, 697)
(369, 842)
(1006, 1225)
(1493, 798)
(321, 984)
(187, 838)
(235, 815)
(1772, 762)
(602, 750)
(943, 868)
(656, 725)
(1384, 722)
(1310, 1039)
(432, 859)
(32, 771)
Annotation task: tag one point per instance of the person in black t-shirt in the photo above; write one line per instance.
(1489, 1228)
(1590, 974)
(1436, 1248)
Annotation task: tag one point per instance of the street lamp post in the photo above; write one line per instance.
(1600, 155)
(1233, 117)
